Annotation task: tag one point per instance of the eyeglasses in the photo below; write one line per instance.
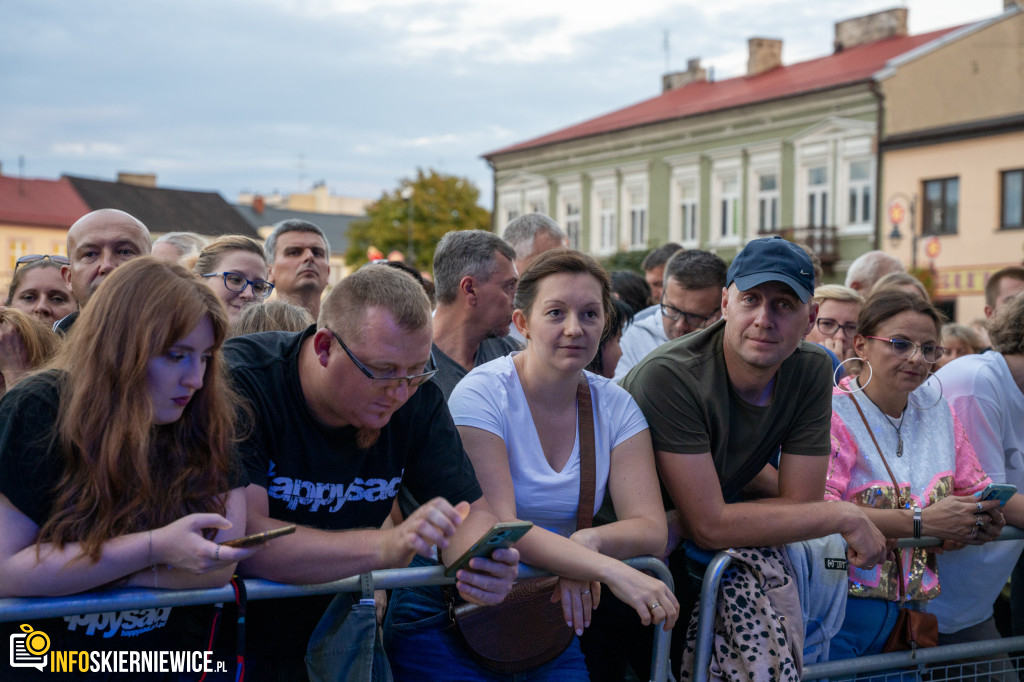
(907, 349)
(828, 327)
(414, 381)
(692, 319)
(236, 282)
(35, 258)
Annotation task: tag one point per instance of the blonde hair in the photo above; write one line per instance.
(40, 342)
(836, 292)
(209, 258)
(375, 287)
(897, 280)
(272, 316)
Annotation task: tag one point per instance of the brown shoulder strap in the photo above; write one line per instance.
(588, 466)
(899, 496)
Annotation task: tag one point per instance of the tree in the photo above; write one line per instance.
(415, 216)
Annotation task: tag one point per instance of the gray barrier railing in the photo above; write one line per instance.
(33, 608)
(951, 652)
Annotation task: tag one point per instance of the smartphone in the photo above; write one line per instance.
(259, 538)
(998, 491)
(500, 536)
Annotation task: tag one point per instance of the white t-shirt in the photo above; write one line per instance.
(491, 398)
(645, 334)
(991, 408)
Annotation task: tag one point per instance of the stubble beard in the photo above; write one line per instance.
(366, 437)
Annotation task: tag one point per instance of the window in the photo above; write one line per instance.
(18, 248)
(817, 196)
(727, 205)
(688, 211)
(637, 217)
(767, 203)
(572, 222)
(1012, 215)
(859, 200)
(941, 206)
(607, 218)
(536, 201)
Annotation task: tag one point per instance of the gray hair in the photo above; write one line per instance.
(187, 243)
(871, 267)
(521, 231)
(695, 269)
(462, 253)
(292, 225)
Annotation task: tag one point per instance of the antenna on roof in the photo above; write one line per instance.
(668, 54)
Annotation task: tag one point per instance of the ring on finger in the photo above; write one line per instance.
(980, 508)
(980, 521)
(216, 554)
(654, 606)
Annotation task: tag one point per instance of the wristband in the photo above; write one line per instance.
(917, 522)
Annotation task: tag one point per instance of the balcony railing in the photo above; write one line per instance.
(822, 240)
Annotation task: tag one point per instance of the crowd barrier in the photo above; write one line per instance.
(937, 663)
(35, 608)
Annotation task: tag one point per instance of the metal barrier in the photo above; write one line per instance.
(12, 609)
(922, 659)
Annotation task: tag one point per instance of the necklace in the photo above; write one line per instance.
(899, 436)
(897, 429)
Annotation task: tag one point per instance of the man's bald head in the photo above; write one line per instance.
(98, 243)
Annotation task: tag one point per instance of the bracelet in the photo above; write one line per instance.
(917, 522)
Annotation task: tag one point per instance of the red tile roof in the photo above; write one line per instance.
(42, 203)
(855, 64)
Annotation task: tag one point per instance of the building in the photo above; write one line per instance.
(784, 149)
(953, 158)
(35, 215)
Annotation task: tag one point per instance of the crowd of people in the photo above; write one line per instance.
(155, 404)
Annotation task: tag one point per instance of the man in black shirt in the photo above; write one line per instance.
(343, 415)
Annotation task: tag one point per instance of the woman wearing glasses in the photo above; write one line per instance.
(890, 426)
(39, 289)
(235, 268)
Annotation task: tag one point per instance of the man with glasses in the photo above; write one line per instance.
(691, 300)
(343, 415)
(98, 243)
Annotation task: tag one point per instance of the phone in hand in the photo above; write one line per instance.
(500, 536)
(257, 539)
(998, 491)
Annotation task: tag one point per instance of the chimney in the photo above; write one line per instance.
(890, 23)
(694, 73)
(258, 204)
(137, 179)
(765, 55)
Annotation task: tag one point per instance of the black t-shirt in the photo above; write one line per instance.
(30, 468)
(317, 476)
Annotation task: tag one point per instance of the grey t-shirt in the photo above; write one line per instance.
(684, 392)
(450, 373)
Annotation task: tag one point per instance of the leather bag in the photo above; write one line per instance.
(527, 629)
(914, 629)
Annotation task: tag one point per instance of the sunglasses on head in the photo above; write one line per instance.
(35, 258)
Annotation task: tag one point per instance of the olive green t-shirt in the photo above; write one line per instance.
(682, 388)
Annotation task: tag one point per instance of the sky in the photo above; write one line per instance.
(265, 95)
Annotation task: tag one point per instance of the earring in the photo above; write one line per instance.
(927, 382)
(835, 373)
(527, 335)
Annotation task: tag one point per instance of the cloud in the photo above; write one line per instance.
(87, 149)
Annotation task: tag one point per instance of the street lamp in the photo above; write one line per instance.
(899, 206)
(407, 195)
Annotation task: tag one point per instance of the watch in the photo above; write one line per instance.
(917, 522)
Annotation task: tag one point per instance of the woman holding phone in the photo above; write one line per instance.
(518, 419)
(899, 450)
(116, 463)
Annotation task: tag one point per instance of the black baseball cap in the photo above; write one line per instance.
(773, 259)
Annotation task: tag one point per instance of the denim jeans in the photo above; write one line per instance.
(423, 645)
